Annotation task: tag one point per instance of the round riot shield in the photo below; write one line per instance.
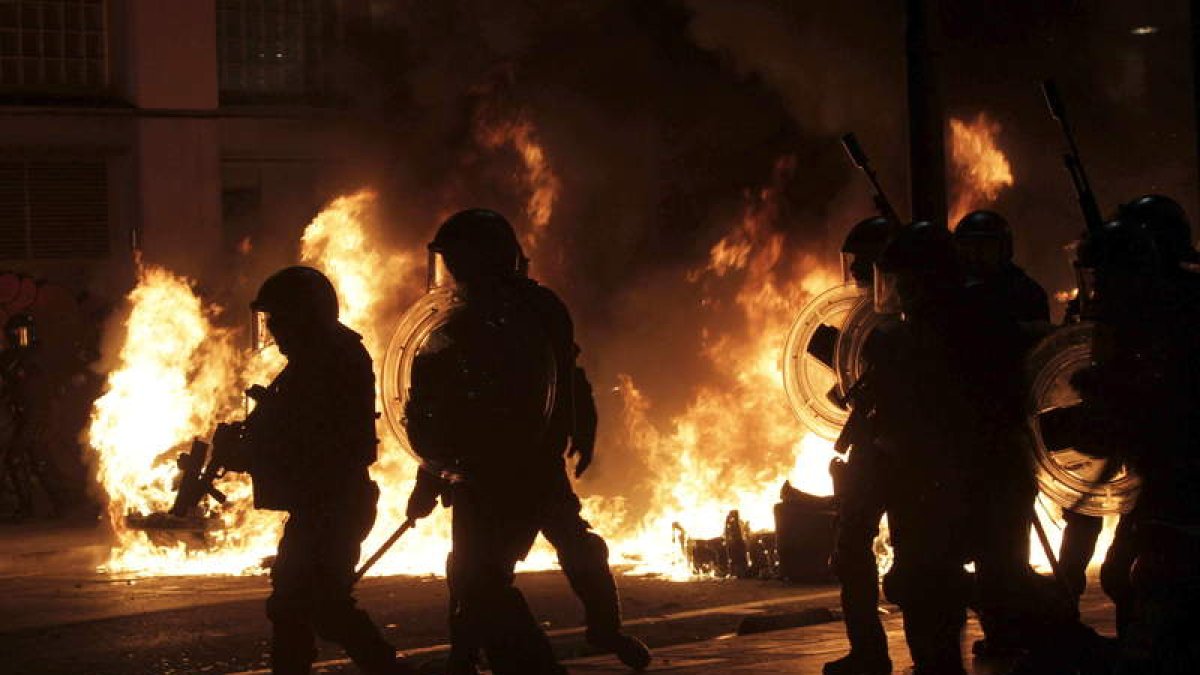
(861, 321)
(809, 374)
(460, 388)
(1074, 480)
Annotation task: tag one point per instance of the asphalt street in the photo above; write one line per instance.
(58, 615)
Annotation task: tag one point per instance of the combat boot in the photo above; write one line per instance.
(859, 663)
(630, 650)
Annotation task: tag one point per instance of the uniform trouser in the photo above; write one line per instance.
(1018, 608)
(926, 517)
(1000, 523)
(492, 530)
(1163, 593)
(312, 583)
(1078, 547)
(583, 556)
(1117, 568)
(861, 504)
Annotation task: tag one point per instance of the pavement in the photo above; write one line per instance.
(803, 651)
(59, 615)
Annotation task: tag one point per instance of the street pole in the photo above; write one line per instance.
(926, 120)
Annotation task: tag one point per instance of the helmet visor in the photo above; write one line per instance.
(887, 292)
(437, 273)
(260, 334)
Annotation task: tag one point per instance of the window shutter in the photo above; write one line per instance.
(53, 209)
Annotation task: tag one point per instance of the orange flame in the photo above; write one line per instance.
(540, 180)
(980, 169)
(737, 442)
(731, 448)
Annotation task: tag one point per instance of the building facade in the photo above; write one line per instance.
(184, 130)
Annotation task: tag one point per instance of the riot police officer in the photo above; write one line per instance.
(924, 415)
(1141, 396)
(308, 445)
(1005, 500)
(985, 245)
(859, 486)
(489, 420)
(861, 248)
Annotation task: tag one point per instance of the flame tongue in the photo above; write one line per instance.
(980, 169)
(737, 441)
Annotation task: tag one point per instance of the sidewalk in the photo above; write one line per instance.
(49, 547)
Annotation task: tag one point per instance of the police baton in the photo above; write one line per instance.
(1055, 568)
(383, 549)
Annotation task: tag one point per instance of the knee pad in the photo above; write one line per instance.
(586, 551)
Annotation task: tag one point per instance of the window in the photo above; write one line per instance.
(53, 209)
(53, 46)
(272, 48)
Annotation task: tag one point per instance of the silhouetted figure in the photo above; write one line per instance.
(309, 443)
(860, 487)
(1141, 397)
(25, 392)
(984, 242)
(1016, 312)
(496, 401)
(924, 417)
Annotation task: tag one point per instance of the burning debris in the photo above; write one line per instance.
(177, 374)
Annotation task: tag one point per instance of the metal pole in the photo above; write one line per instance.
(926, 121)
(1049, 551)
(383, 549)
(1194, 7)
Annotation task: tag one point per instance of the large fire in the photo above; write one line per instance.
(177, 375)
(980, 169)
(735, 444)
(731, 447)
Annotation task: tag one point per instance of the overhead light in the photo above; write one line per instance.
(1144, 30)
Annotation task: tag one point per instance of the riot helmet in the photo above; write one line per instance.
(918, 268)
(984, 242)
(473, 246)
(861, 248)
(1123, 267)
(293, 303)
(1167, 225)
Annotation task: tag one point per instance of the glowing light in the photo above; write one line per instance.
(516, 130)
(980, 170)
(177, 375)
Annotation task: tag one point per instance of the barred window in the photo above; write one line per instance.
(53, 209)
(53, 46)
(272, 48)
